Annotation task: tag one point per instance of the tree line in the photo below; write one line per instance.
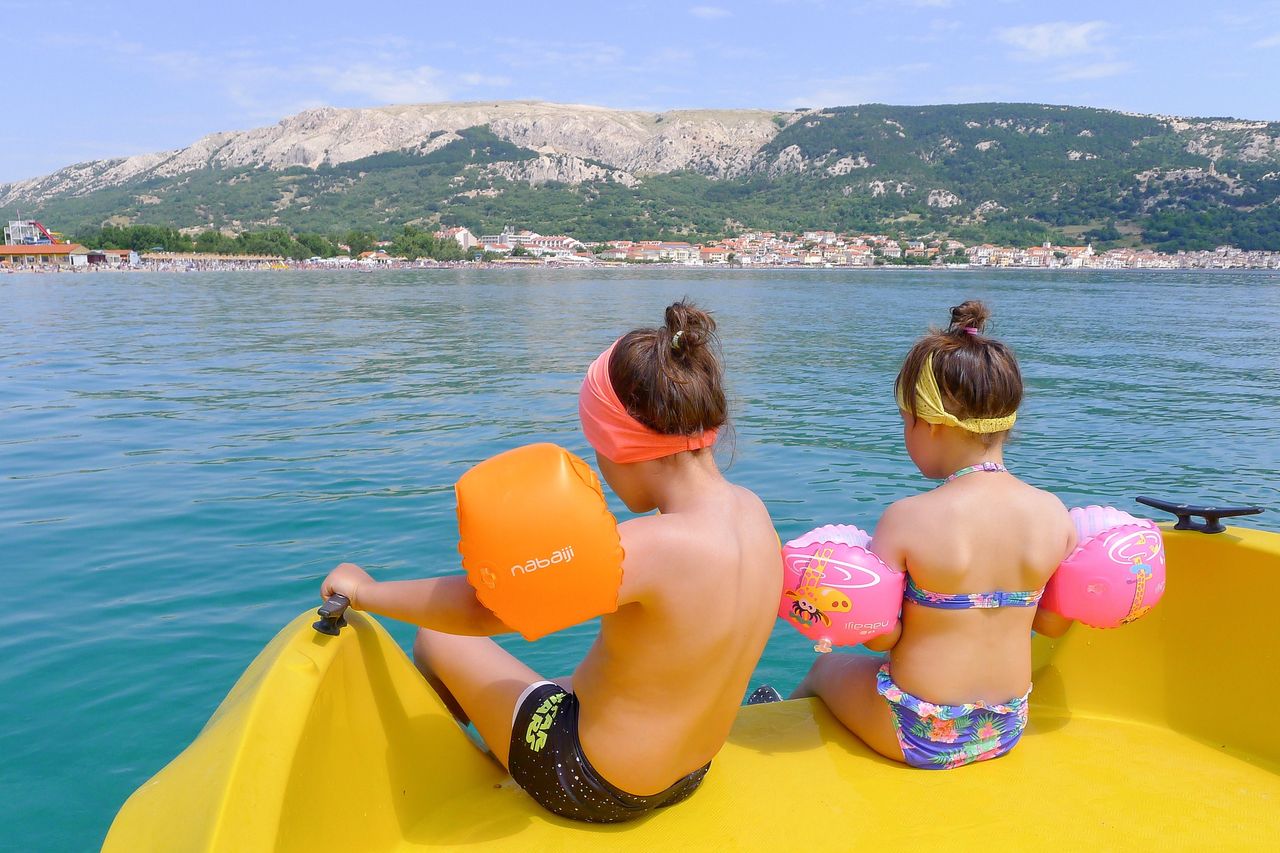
(410, 242)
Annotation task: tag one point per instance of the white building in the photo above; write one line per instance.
(463, 236)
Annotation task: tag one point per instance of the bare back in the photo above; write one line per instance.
(984, 532)
(662, 684)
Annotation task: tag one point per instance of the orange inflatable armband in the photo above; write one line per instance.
(538, 542)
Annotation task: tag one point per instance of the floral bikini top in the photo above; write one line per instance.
(973, 600)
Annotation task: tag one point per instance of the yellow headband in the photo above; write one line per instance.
(929, 406)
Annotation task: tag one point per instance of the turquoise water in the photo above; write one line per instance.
(183, 457)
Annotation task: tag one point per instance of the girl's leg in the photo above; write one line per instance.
(846, 683)
(478, 681)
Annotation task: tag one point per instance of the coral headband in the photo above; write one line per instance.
(614, 433)
(929, 406)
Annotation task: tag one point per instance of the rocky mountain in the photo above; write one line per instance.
(1011, 171)
(715, 142)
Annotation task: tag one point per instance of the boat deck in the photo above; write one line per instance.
(1072, 783)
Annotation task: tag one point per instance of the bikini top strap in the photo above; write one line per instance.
(971, 601)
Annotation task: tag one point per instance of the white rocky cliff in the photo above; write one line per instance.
(713, 142)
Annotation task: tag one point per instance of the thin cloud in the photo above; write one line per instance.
(667, 57)
(378, 79)
(1270, 41)
(473, 79)
(1056, 40)
(582, 56)
(980, 92)
(1094, 71)
(882, 85)
(385, 85)
(939, 29)
(360, 71)
(709, 13)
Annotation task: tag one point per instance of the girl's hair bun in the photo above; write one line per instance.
(670, 378)
(972, 314)
(977, 376)
(687, 329)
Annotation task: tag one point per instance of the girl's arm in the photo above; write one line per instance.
(1047, 623)
(447, 604)
(889, 544)
(1050, 624)
(885, 641)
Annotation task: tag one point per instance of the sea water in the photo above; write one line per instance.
(183, 457)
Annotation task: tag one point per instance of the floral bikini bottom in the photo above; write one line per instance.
(939, 737)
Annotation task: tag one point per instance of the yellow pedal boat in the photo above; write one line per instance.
(1162, 735)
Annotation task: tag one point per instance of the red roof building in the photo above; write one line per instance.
(45, 254)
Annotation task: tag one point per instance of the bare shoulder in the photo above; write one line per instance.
(1049, 500)
(648, 544)
(906, 512)
(658, 542)
(898, 528)
(1048, 506)
(749, 502)
(1046, 502)
(651, 535)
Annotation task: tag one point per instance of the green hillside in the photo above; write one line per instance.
(1008, 173)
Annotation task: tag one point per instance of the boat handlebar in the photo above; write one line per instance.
(330, 613)
(1210, 514)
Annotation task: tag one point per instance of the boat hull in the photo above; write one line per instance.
(1161, 734)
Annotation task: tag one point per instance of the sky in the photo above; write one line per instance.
(135, 77)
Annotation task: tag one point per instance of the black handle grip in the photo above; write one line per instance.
(330, 613)
(1210, 514)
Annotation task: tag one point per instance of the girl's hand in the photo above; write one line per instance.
(346, 580)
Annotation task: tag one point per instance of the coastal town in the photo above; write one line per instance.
(30, 247)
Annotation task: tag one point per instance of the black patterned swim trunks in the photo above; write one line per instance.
(546, 760)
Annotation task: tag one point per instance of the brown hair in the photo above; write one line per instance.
(670, 378)
(978, 376)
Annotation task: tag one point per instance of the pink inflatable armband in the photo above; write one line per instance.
(1115, 575)
(835, 591)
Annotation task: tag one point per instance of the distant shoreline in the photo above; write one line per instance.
(467, 266)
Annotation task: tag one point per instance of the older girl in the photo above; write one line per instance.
(636, 726)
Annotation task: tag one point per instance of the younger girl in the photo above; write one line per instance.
(637, 724)
(978, 550)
